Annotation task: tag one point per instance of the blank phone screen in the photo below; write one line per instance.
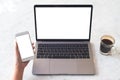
(24, 45)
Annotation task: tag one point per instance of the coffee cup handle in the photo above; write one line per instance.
(113, 50)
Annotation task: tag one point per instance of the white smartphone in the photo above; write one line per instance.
(25, 46)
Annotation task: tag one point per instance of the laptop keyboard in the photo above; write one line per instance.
(60, 51)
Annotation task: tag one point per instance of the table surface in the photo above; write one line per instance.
(17, 16)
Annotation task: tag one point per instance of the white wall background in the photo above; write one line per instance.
(17, 16)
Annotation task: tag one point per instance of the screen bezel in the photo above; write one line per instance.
(35, 6)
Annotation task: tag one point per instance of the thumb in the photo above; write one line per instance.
(17, 53)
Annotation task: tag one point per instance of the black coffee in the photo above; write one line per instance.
(106, 45)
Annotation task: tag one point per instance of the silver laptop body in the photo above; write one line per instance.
(59, 25)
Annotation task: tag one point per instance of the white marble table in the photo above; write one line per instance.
(17, 16)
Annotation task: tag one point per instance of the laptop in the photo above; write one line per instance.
(63, 39)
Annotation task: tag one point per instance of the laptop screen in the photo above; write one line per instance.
(63, 22)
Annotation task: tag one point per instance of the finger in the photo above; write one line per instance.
(17, 52)
(16, 49)
(32, 43)
(33, 47)
(34, 51)
(26, 62)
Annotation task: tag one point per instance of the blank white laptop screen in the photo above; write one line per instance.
(63, 22)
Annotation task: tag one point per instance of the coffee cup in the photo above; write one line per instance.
(106, 44)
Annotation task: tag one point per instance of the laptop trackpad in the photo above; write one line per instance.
(63, 66)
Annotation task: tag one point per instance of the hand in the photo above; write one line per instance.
(18, 63)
